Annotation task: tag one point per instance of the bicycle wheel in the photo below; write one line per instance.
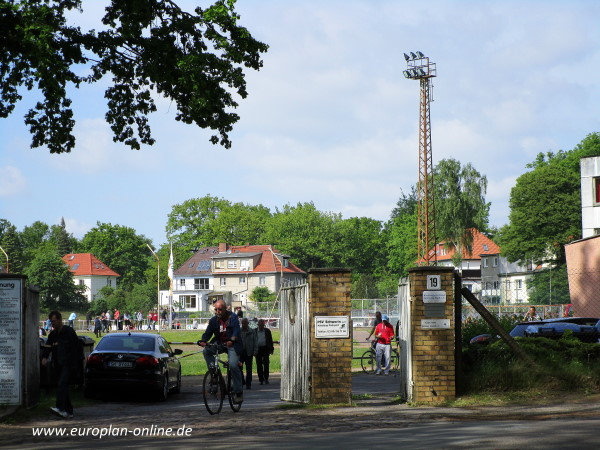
(394, 360)
(212, 391)
(367, 362)
(235, 406)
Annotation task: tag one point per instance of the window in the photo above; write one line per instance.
(486, 248)
(496, 285)
(200, 283)
(262, 280)
(81, 283)
(182, 282)
(245, 264)
(219, 264)
(188, 300)
(485, 262)
(597, 190)
(231, 264)
(286, 262)
(495, 262)
(223, 281)
(242, 280)
(109, 282)
(519, 284)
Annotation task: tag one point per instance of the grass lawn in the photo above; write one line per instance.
(194, 364)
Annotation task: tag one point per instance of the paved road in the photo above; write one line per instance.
(270, 423)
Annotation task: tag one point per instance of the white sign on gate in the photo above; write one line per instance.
(332, 326)
(10, 341)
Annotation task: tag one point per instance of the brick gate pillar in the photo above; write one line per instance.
(330, 336)
(432, 334)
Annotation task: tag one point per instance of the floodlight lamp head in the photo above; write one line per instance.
(406, 57)
(420, 55)
(406, 74)
(413, 55)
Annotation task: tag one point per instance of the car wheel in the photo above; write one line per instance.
(163, 392)
(177, 388)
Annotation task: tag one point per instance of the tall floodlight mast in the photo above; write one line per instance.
(420, 68)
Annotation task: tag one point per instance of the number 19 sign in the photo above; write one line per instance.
(434, 282)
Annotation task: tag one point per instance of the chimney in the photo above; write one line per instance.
(223, 246)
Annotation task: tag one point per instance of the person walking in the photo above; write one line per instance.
(63, 344)
(384, 332)
(250, 349)
(265, 349)
(72, 318)
(97, 327)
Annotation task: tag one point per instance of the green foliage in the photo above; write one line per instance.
(195, 60)
(545, 206)
(11, 243)
(208, 221)
(359, 244)
(363, 286)
(262, 294)
(51, 275)
(402, 243)
(459, 203)
(305, 233)
(64, 242)
(549, 286)
(121, 249)
(562, 364)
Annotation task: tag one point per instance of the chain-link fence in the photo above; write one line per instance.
(584, 292)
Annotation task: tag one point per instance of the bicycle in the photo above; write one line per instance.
(368, 360)
(214, 388)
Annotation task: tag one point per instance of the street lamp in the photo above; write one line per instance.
(157, 282)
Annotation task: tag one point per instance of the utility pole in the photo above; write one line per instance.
(420, 68)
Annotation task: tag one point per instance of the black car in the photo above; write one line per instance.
(133, 361)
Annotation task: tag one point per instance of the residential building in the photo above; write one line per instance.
(590, 196)
(230, 273)
(502, 281)
(470, 266)
(90, 272)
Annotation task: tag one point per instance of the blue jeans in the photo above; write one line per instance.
(233, 358)
(386, 350)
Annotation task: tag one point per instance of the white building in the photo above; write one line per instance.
(90, 272)
(590, 196)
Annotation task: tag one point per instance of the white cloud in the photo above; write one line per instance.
(12, 181)
(74, 226)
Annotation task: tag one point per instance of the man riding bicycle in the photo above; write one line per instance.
(224, 328)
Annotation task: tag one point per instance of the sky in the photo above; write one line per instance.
(330, 118)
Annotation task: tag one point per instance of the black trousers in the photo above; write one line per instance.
(63, 400)
(262, 364)
(247, 369)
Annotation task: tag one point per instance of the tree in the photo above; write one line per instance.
(359, 244)
(196, 60)
(208, 220)
(306, 234)
(11, 243)
(459, 204)
(262, 294)
(64, 242)
(49, 273)
(549, 286)
(121, 249)
(545, 206)
(33, 237)
(402, 244)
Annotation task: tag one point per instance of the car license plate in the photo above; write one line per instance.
(119, 364)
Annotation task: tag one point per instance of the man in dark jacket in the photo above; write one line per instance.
(265, 348)
(224, 327)
(66, 356)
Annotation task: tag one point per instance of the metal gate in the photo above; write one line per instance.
(295, 344)
(406, 382)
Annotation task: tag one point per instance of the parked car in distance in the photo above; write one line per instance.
(133, 361)
(582, 327)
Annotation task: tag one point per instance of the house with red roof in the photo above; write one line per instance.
(90, 272)
(230, 272)
(470, 266)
